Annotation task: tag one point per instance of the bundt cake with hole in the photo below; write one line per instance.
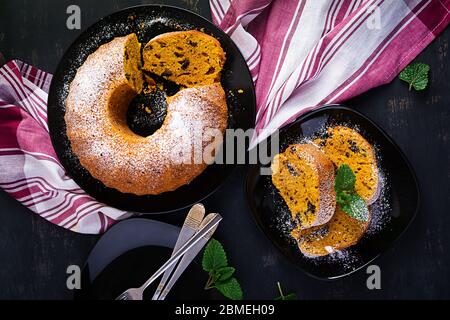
(95, 116)
(185, 57)
(304, 177)
(344, 145)
(341, 232)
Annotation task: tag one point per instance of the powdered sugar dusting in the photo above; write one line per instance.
(115, 155)
(380, 209)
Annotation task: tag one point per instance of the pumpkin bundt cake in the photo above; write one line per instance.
(185, 57)
(304, 176)
(341, 232)
(344, 145)
(95, 117)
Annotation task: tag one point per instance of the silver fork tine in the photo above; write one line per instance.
(137, 293)
(190, 227)
(189, 256)
(123, 296)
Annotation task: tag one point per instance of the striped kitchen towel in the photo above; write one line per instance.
(306, 53)
(29, 169)
(301, 53)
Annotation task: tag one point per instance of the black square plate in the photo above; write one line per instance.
(398, 204)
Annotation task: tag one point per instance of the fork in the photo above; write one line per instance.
(137, 293)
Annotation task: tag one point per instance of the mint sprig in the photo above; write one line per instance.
(224, 274)
(230, 289)
(215, 262)
(282, 296)
(346, 197)
(345, 179)
(214, 256)
(416, 74)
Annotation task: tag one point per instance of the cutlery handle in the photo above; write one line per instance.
(187, 259)
(185, 248)
(190, 226)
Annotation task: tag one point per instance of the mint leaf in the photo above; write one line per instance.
(355, 207)
(224, 273)
(345, 179)
(230, 288)
(416, 74)
(346, 197)
(214, 256)
(343, 198)
(220, 274)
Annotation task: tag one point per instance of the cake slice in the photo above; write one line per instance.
(132, 62)
(187, 58)
(304, 177)
(344, 145)
(341, 232)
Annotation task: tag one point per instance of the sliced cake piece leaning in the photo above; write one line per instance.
(304, 177)
(344, 145)
(341, 232)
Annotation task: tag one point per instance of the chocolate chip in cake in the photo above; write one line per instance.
(311, 208)
(166, 73)
(353, 146)
(192, 43)
(211, 70)
(291, 170)
(184, 64)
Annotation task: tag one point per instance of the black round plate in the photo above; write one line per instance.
(401, 195)
(128, 254)
(147, 22)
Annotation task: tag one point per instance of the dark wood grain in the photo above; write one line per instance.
(34, 254)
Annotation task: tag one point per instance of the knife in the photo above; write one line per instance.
(190, 227)
(189, 256)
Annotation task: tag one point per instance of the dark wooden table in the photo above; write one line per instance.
(34, 254)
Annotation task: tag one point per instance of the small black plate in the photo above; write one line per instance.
(400, 201)
(147, 22)
(128, 254)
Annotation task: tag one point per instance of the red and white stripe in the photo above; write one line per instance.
(29, 168)
(313, 52)
(301, 54)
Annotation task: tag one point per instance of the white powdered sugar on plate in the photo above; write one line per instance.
(380, 210)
